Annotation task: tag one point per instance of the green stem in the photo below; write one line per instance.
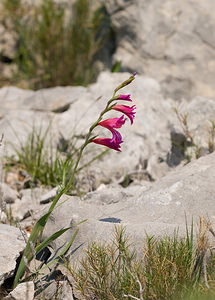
(108, 107)
(87, 140)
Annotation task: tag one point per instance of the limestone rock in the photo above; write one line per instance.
(57, 99)
(12, 98)
(8, 195)
(18, 124)
(157, 209)
(11, 246)
(49, 289)
(171, 41)
(28, 203)
(3, 217)
(24, 291)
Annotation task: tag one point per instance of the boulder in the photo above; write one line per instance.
(7, 194)
(158, 209)
(28, 203)
(24, 291)
(11, 246)
(172, 41)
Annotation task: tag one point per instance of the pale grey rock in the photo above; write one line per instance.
(51, 289)
(172, 41)
(3, 217)
(24, 291)
(147, 146)
(12, 98)
(11, 246)
(157, 209)
(48, 197)
(28, 203)
(8, 195)
(57, 99)
(18, 124)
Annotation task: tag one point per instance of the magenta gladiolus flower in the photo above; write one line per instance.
(112, 123)
(113, 143)
(116, 140)
(124, 97)
(127, 110)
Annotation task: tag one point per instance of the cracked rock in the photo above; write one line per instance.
(11, 245)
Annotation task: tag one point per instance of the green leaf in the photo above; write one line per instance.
(28, 252)
(69, 244)
(50, 239)
(34, 237)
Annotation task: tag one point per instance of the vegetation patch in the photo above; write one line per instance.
(57, 44)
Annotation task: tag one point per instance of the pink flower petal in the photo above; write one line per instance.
(112, 123)
(127, 110)
(124, 97)
(110, 143)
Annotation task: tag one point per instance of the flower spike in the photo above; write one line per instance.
(114, 123)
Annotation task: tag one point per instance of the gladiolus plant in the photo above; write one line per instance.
(34, 244)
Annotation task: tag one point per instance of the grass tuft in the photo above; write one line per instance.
(57, 44)
(171, 268)
(46, 165)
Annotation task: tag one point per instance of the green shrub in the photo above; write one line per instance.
(56, 46)
(171, 268)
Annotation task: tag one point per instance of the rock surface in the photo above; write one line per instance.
(172, 41)
(8, 195)
(11, 246)
(157, 209)
(24, 291)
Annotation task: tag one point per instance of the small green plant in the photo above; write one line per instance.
(190, 143)
(56, 46)
(171, 268)
(39, 159)
(211, 139)
(191, 147)
(108, 270)
(45, 165)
